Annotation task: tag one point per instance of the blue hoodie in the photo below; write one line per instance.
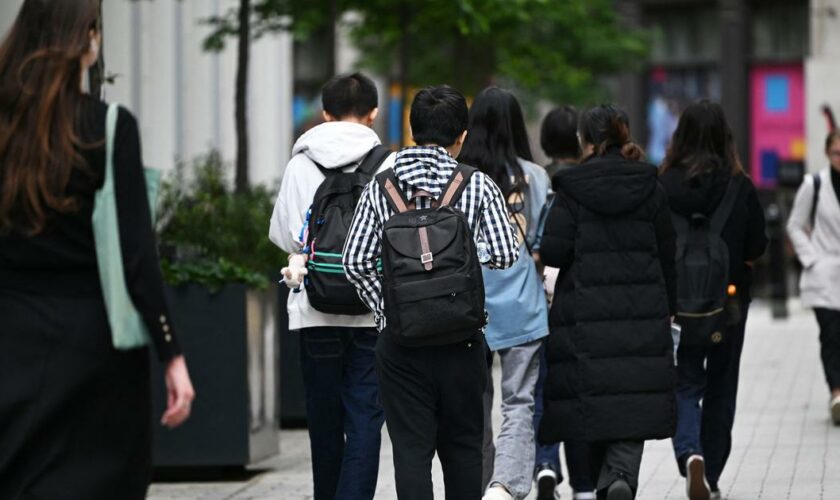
(515, 299)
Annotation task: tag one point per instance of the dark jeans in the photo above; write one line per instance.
(577, 453)
(709, 375)
(433, 402)
(829, 321)
(614, 460)
(343, 410)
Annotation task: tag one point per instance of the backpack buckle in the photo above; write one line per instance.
(426, 258)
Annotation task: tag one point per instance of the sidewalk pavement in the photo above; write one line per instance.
(784, 444)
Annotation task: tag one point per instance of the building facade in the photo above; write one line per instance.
(752, 56)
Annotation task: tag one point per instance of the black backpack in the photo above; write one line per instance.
(332, 210)
(432, 282)
(702, 265)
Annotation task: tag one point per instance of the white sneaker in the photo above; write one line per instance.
(696, 487)
(584, 495)
(834, 407)
(715, 495)
(497, 493)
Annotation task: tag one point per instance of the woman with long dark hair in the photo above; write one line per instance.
(610, 355)
(74, 411)
(497, 144)
(701, 166)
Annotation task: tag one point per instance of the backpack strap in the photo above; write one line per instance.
(458, 182)
(373, 160)
(390, 186)
(816, 200)
(724, 209)
(328, 172)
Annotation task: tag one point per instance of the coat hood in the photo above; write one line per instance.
(336, 144)
(608, 185)
(697, 195)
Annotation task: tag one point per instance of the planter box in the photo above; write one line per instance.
(230, 341)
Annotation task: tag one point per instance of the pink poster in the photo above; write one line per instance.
(777, 121)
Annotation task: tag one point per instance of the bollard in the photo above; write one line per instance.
(777, 266)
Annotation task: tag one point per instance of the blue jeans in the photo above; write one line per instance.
(577, 453)
(709, 375)
(343, 410)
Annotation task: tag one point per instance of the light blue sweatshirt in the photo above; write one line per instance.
(515, 299)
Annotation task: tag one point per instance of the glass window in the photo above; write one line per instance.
(780, 30)
(684, 35)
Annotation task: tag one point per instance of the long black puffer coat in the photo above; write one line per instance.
(611, 368)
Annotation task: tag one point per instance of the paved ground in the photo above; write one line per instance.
(784, 446)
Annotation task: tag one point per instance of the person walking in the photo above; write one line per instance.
(700, 168)
(74, 410)
(428, 223)
(343, 412)
(558, 138)
(814, 229)
(611, 373)
(515, 300)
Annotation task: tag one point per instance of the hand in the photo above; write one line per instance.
(179, 393)
(294, 273)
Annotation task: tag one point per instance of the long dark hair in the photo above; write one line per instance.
(40, 101)
(703, 142)
(497, 138)
(608, 127)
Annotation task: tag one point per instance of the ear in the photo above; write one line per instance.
(460, 140)
(372, 116)
(328, 117)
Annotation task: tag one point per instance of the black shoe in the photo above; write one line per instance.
(620, 490)
(546, 479)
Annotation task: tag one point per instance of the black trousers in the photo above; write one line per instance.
(614, 460)
(432, 398)
(829, 320)
(74, 412)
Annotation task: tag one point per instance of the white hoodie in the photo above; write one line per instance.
(332, 145)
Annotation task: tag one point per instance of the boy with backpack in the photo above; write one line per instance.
(330, 165)
(414, 251)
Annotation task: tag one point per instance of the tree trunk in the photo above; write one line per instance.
(242, 182)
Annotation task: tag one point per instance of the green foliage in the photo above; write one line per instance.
(550, 49)
(209, 234)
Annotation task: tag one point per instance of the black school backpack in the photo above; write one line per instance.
(702, 264)
(432, 282)
(332, 210)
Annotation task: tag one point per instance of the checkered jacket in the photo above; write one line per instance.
(427, 169)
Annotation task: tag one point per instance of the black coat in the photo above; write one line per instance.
(611, 368)
(744, 231)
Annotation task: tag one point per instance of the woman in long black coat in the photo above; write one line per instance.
(75, 413)
(611, 367)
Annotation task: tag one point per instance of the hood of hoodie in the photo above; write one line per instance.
(608, 185)
(336, 144)
(425, 168)
(700, 194)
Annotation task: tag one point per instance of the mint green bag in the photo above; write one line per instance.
(127, 328)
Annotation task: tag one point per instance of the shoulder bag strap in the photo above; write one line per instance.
(721, 214)
(817, 182)
(391, 188)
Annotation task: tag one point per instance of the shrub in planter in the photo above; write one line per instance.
(218, 261)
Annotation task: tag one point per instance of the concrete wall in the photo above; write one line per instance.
(822, 76)
(182, 96)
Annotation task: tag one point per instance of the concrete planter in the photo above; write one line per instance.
(230, 341)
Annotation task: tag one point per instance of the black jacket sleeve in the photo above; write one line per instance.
(666, 239)
(557, 248)
(137, 239)
(755, 243)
